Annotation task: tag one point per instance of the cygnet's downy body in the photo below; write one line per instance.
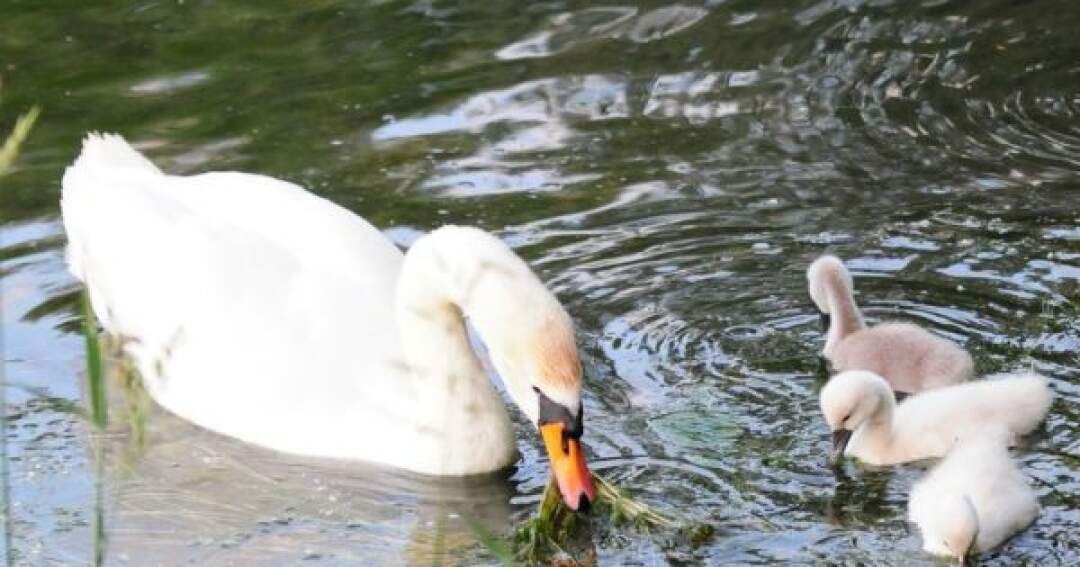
(866, 423)
(974, 500)
(911, 359)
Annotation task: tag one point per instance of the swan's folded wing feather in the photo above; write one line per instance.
(235, 287)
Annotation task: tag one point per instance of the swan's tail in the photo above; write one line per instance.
(91, 190)
(110, 150)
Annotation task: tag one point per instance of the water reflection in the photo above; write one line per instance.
(171, 83)
(189, 493)
(571, 30)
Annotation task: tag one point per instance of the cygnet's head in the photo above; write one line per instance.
(848, 400)
(827, 272)
(953, 530)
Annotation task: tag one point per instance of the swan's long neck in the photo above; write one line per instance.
(451, 275)
(844, 315)
(456, 402)
(876, 435)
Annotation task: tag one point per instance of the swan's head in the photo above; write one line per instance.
(543, 374)
(953, 530)
(827, 272)
(849, 400)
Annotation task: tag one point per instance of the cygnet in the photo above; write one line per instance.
(910, 358)
(866, 423)
(974, 500)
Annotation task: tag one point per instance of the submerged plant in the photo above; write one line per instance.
(546, 537)
(497, 547)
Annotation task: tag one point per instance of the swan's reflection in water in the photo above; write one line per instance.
(188, 496)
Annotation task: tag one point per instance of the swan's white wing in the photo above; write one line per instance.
(250, 306)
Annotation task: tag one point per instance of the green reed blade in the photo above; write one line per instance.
(10, 149)
(94, 371)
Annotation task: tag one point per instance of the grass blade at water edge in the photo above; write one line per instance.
(99, 416)
(10, 149)
(95, 374)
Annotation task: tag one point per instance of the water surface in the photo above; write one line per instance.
(668, 169)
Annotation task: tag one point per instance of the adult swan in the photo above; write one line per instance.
(260, 311)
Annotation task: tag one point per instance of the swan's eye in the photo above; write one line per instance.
(845, 419)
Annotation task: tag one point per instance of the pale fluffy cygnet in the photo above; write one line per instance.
(866, 422)
(910, 358)
(974, 500)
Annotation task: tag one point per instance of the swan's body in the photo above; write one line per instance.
(974, 500)
(867, 424)
(258, 310)
(910, 358)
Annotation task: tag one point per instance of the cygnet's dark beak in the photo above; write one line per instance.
(840, 439)
(826, 319)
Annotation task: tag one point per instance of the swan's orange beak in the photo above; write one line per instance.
(568, 465)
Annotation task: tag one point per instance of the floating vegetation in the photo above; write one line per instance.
(626, 509)
(541, 537)
(554, 534)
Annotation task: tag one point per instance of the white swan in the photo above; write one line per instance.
(910, 358)
(974, 500)
(866, 423)
(258, 310)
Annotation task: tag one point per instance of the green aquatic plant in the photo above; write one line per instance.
(10, 150)
(540, 537)
(545, 537)
(498, 548)
(95, 376)
(626, 509)
(95, 373)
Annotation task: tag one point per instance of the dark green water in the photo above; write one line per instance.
(669, 169)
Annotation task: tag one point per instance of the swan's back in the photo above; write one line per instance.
(242, 299)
